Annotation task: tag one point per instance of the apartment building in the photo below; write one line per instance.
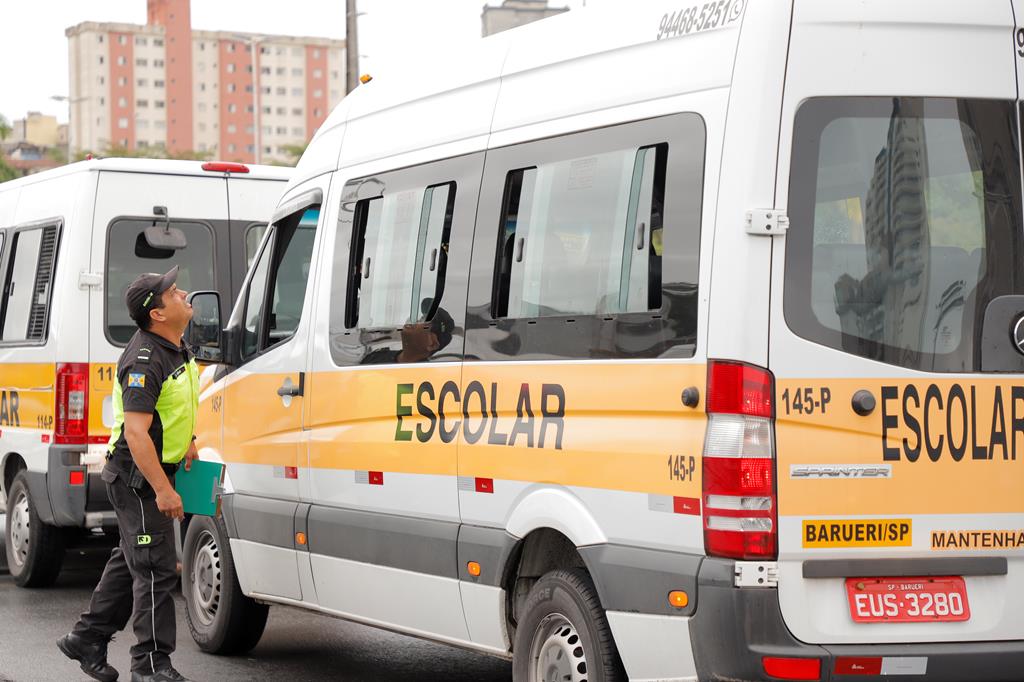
(236, 96)
(513, 13)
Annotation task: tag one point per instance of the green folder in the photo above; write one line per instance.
(200, 487)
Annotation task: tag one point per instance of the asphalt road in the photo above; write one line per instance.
(297, 646)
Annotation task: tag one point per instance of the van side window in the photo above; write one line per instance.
(905, 223)
(253, 236)
(130, 255)
(582, 236)
(399, 257)
(277, 290)
(27, 285)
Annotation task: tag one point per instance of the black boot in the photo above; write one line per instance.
(92, 656)
(167, 674)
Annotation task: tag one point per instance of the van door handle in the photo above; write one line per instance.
(519, 249)
(433, 260)
(366, 269)
(290, 389)
(640, 229)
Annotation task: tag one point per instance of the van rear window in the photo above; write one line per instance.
(129, 255)
(27, 286)
(905, 223)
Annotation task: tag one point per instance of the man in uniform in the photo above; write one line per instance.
(155, 400)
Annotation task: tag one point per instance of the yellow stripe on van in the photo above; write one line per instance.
(946, 446)
(101, 385)
(26, 395)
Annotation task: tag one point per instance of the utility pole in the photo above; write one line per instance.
(351, 46)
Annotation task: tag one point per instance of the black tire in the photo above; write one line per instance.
(584, 638)
(222, 621)
(37, 560)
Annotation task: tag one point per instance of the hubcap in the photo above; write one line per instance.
(18, 521)
(206, 577)
(556, 654)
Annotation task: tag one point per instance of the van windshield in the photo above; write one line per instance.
(905, 224)
(129, 255)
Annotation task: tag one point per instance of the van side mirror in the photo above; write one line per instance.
(165, 238)
(204, 333)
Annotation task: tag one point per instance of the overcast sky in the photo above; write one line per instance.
(34, 51)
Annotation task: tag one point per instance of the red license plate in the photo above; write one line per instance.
(908, 600)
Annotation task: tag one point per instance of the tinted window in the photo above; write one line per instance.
(129, 255)
(27, 286)
(905, 224)
(398, 257)
(583, 236)
(282, 270)
(253, 237)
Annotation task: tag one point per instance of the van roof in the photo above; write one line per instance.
(156, 166)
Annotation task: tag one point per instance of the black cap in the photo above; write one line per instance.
(145, 289)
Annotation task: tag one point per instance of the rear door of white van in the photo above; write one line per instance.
(896, 338)
(125, 205)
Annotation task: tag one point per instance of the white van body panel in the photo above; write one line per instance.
(879, 47)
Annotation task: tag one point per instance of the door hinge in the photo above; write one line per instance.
(767, 221)
(90, 280)
(757, 574)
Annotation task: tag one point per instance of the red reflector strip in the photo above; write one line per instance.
(225, 167)
(291, 472)
(686, 505)
(376, 477)
(45, 438)
(792, 668)
(99, 440)
(854, 665)
(484, 485)
(76, 477)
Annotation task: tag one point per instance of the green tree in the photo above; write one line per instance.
(5, 128)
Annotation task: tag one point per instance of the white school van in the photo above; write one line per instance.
(668, 341)
(71, 240)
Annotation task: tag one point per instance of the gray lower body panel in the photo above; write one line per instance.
(638, 580)
(733, 628)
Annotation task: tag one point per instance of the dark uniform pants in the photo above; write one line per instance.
(140, 571)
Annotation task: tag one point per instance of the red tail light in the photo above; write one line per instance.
(740, 502)
(792, 668)
(72, 403)
(225, 167)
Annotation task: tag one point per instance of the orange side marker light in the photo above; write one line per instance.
(300, 538)
(678, 599)
(473, 568)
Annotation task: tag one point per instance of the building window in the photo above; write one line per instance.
(316, 113)
(248, 88)
(122, 123)
(202, 127)
(121, 61)
(231, 87)
(318, 73)
(335, 75)
(265, 89)
(232, 108)
(102, 80)
(249, 108)
(122, 81)
(282, 91)
(231, 48)
(202, 87)
(100, 38)
(158, 42)
(249, 130)
(230, 68)
(122, 102)
(268, 130)
(141, 40)
(296, 72)
(318, 94)
(281, 130)
(141, 144)
(296, 92)
(101, 59)
(248, 68)
(316, 54)
(265, 70)
(138, 62)
(232, 128)
(266, 110)
(159, 63)
(297, 111)
(201, 106)
(142, 103)
(202, 145)
(141, 82)
(231, 148)
(268, 150)
(158, 84)
(250, 148)
(281, 111)
(160, 125)
(264, 49)
(334, 95)
(298, 132)
(122, 40)
(159, 104)
(103, 100)
(142, 124)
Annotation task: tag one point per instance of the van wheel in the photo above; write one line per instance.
(35, 550)
(563, 634)
(221, 619)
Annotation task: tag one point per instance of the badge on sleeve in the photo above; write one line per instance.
(136, 380)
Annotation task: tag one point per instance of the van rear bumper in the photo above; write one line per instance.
(59, 503)
(734, 628)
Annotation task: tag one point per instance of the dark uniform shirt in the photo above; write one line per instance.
(156, 377)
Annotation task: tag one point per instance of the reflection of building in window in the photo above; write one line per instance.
(887, 305)
(513, 13)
